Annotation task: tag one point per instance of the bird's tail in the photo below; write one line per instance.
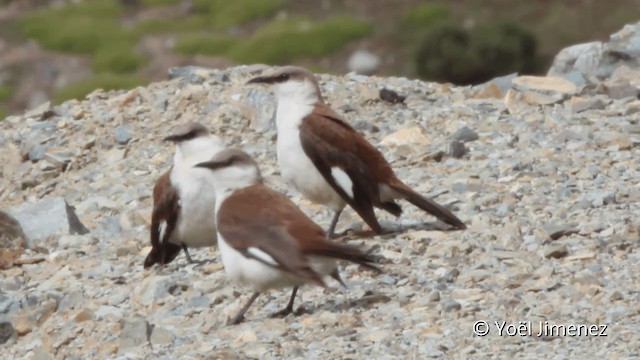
(345, 252)
(429, 206)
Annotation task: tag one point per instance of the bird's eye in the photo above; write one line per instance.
(283, 77)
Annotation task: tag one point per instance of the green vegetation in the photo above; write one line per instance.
(5, 92)
(426, 15)
(80, 89)
(204, 43)
(451, 53)
(77, 28)
(3, 112)
(224, 13)
(159, 2)
(156, 26)
(118, 58)
(285, 40)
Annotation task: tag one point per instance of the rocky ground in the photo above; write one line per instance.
(543, 170)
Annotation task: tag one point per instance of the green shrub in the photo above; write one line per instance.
(80, 89)
(77, 28)
(204, 44)
(285, 40)
(453, 54)
(224, 13)
(3, 112)
(5, 92)
(159, 2)
(426, 15)
(118, 58)
(155, 26)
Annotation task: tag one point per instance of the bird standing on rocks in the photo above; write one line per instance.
(329, 162)
(265, 241)
(184, 198)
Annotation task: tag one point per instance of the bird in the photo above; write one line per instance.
(183, 197)
(331, 163)
(265, 241)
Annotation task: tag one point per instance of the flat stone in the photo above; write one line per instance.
(556, 231)
(161, 336)
(46, 217)
(543, 90)
(580, 104)
(412, 136)
(556, 251)
(136, 331)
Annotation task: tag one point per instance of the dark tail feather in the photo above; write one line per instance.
(348, 253)
(430, 206)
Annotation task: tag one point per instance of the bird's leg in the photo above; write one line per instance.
(186, 253)
(240, 315)
(334, 222)
(289, 309)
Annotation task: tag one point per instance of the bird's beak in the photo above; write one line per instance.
(261, 80)
(211, 164)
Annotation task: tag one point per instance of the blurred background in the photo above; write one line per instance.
(58, 50)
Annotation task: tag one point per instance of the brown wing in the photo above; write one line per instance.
(330, 142)
(285, 232)
(166, 207)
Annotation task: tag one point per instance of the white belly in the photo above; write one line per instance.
(196, 223)
(253, 273)
(297, 169)
(260, 277)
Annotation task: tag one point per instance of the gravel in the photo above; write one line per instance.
(547, 185)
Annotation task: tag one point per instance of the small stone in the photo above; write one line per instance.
(161, 336)
(122, 135)
(615, 296)
(412, 136)
(72, 241)
(556, 231)
(22, 324)
(456, 149)
(6, 331)
(580, 104)
(84, 315)
(451, 305)
(465, 134)
(135, 332)
(37, 153)
(556, 251)
(433, 296)
(391, 96)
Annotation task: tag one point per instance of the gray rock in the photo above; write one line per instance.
(583, 58)
(37, 152)
(122, 135)
(556, 231)
(6, 331)
(161, 336)
(556, 251)
(465, 134)
(451, 305)
(265, 104)
(40, 353)
(135, 332)
(456, 149)
(46, 217)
